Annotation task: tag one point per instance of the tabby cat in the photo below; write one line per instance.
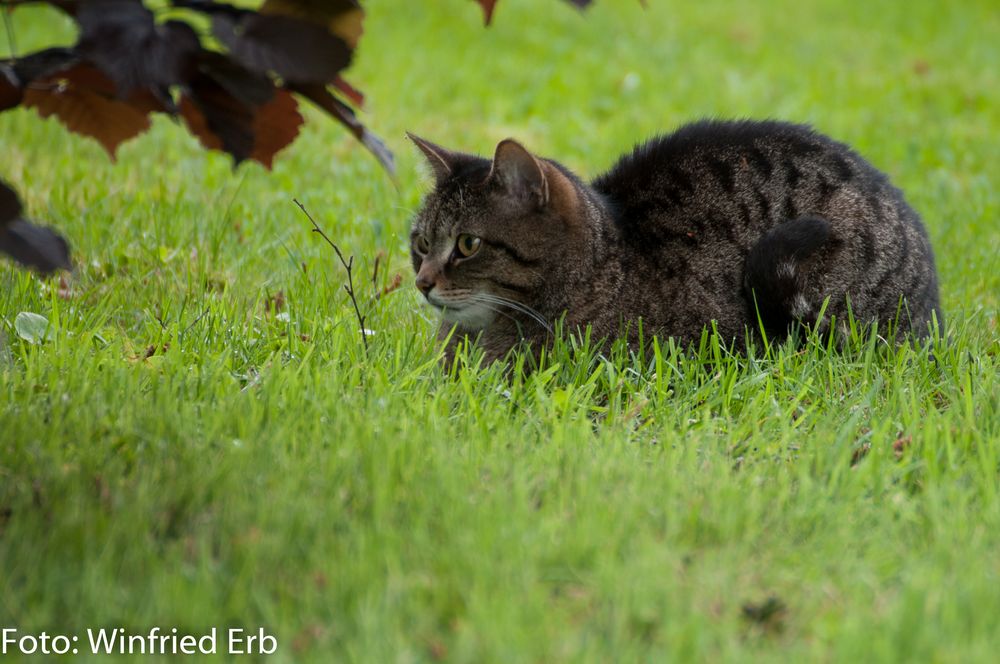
(750, 225)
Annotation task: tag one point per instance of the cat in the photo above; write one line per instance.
(753, 226)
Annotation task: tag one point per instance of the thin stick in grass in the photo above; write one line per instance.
(348, 264)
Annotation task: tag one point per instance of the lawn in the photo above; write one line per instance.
(203, 441)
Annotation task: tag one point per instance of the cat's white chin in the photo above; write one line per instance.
(475, 316)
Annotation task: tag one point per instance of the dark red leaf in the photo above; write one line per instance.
(248, 86)
(68, 6)
(220, 104)
(297, 49)
(83, 99)
(343, 18)
(121, 38)
(219, 120)
(113, 35)
(10, 88)
(222, 122)
(488, 7)
(294, 49)
(319, 95)
(275, 127)
(198, 125)
(10, 204)
(42, 63)
(349, 91)
(34, 246)
(319, 11)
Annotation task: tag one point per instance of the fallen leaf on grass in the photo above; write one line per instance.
(152, 350)
(898, 448)
(33, 328)
(397, 281)
(860, 453)
(65, 291)
(276, 302)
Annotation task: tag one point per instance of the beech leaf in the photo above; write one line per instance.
(488, 7)
(276, 126)
(319, 95)
(349, 91)
(121, 38)
(42, 63)
(83, 99)
(10, 205)
(10, 88)
(293, 48)
(344, 18)
(125, 65)
(220, 104)
(34, 246)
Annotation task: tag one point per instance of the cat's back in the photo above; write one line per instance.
(690, 207)
(709, 161)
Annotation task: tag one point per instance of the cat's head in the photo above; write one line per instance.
(495, 234)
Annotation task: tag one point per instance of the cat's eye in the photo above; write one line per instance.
(423, 246)
(467, 245)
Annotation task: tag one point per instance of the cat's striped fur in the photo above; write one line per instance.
(744, 224)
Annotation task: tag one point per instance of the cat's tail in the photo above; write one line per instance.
(773, 277)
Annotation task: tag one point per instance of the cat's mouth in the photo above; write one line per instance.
(477, 310)
(465, 309)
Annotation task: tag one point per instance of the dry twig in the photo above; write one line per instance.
(348, 264)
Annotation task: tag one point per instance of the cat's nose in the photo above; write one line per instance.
(426, 281)
(424, 284)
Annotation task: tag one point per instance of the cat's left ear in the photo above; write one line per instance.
(519, 172)
(439, 159)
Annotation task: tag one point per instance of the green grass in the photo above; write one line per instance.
(259, 469)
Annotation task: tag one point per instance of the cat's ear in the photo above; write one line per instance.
(439, 159)
(519, 172)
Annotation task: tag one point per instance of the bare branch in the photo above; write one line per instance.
(348, 267)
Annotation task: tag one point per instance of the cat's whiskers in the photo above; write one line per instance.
(495, 309)
(498, 300)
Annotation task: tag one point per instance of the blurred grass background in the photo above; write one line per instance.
(258, 469)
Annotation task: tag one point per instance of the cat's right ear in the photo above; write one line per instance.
(520, 172)
(440, 159)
